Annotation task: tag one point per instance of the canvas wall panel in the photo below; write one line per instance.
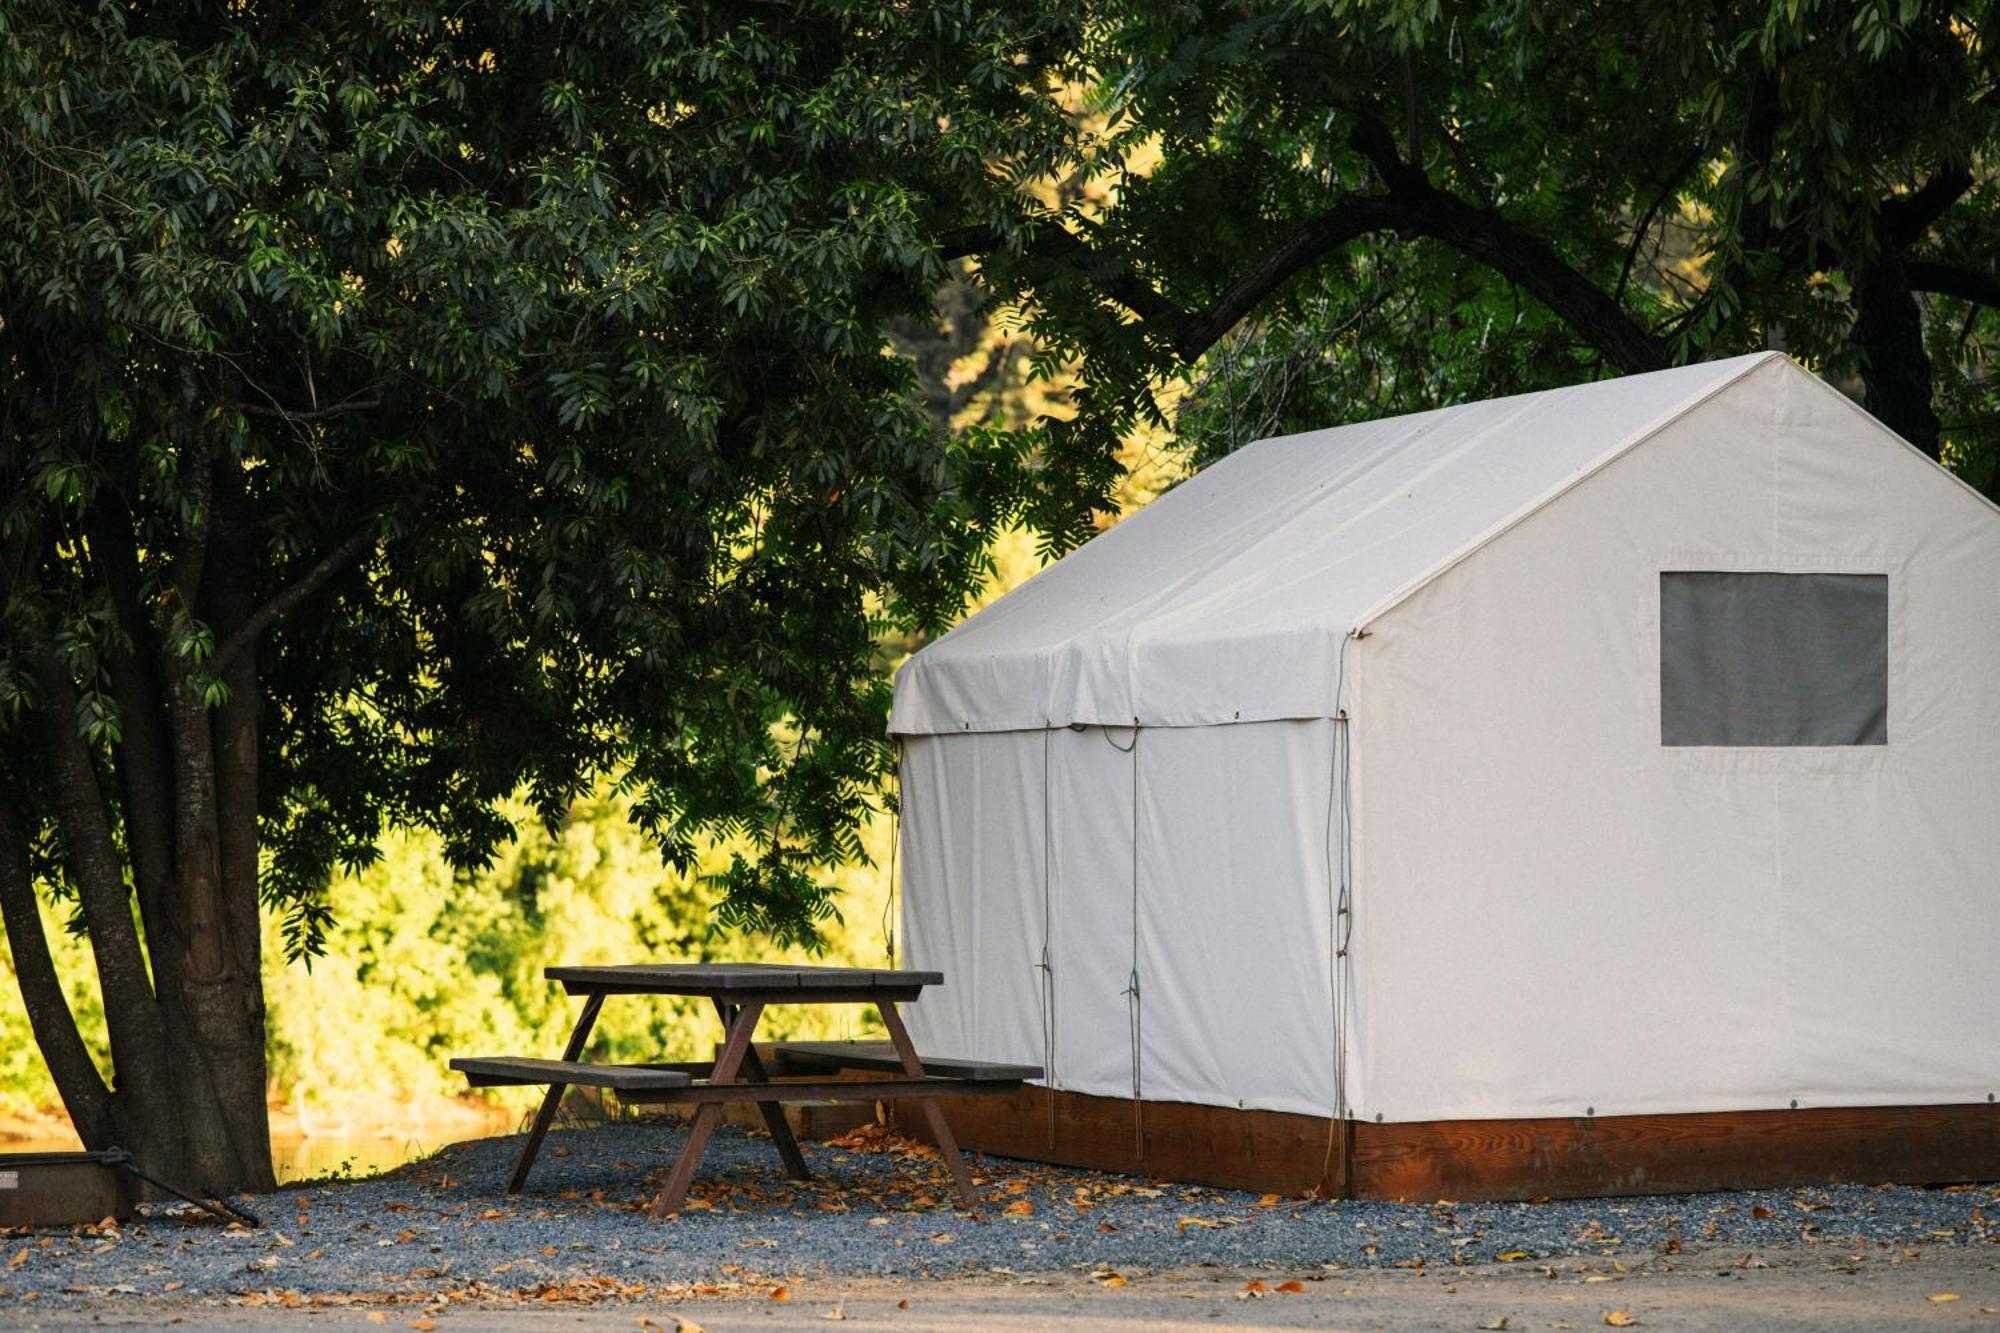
(1556, 914)
(971, 884)
(1226, 926)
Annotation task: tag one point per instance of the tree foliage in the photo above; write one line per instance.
(409, 404)
(1370, 206)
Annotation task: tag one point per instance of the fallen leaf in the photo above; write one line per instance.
(1942, 1296)
(1511, 1255)
(1498, 1321)
(1019, 1208)
(1269, 1201)
(423, 1325)
(1292, 1288)
(1112, 1281)
(781, 1293)
(903, 1304)
(173, 1286)
(1760, 1212)
(1255, 1284)
(1620, 1318)
(836, 1314)
(548, 1249)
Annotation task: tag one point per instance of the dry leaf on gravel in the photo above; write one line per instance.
(1942, 1296)
(1620, 1318)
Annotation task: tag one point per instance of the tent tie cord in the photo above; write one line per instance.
(1047, 965)
(895, 846)
(1340, 922)
(1133, 1008)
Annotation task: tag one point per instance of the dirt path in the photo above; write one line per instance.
(1797, 1289)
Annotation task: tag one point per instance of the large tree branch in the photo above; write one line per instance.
(1967, 284)
(1302, 247)
(76, 1075)
(1411, 205)
(1896, 371)
(1906, 217)
(1521, 256)
(341, 408)
(243, 637)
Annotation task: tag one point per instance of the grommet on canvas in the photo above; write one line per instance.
(1795, 1103)
(1378, 1117)
(1590, 1110)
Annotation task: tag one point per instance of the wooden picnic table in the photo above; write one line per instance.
(740, 993)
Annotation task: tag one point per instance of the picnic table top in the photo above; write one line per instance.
(723, 978)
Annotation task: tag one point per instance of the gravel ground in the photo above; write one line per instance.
(441, 1230)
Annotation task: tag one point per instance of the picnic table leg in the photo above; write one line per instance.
(773, 1112)
(674, 1193)
(547, 1115)
(947, 1145)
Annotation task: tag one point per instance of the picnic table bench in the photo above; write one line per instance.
(800, 1070)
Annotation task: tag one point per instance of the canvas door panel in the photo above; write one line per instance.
(972, 903)
(1092, 908)
(1234, 905)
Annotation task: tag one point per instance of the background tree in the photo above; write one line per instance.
(1365, 206)
(410, 404)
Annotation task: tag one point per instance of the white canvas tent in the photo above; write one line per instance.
(1621, 749)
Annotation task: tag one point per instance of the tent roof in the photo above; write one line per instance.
(1229, 598)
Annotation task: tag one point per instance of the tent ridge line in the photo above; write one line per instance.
(1568, 484)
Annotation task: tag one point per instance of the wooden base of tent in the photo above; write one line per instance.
(1269, 1151)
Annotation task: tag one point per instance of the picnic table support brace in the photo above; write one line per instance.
(947, 1145)
(545, 1117)
(674, 1193)
(773, 1112)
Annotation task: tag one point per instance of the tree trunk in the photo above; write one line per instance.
(1896, 371)
(164, 819)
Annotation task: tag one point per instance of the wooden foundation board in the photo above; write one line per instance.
(1553, 1157)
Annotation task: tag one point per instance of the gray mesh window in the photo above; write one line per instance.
(1774, 659)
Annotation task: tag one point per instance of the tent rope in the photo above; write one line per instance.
(1047, 965)
(895, 846)
(1133, 1008)
(1340, 926)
